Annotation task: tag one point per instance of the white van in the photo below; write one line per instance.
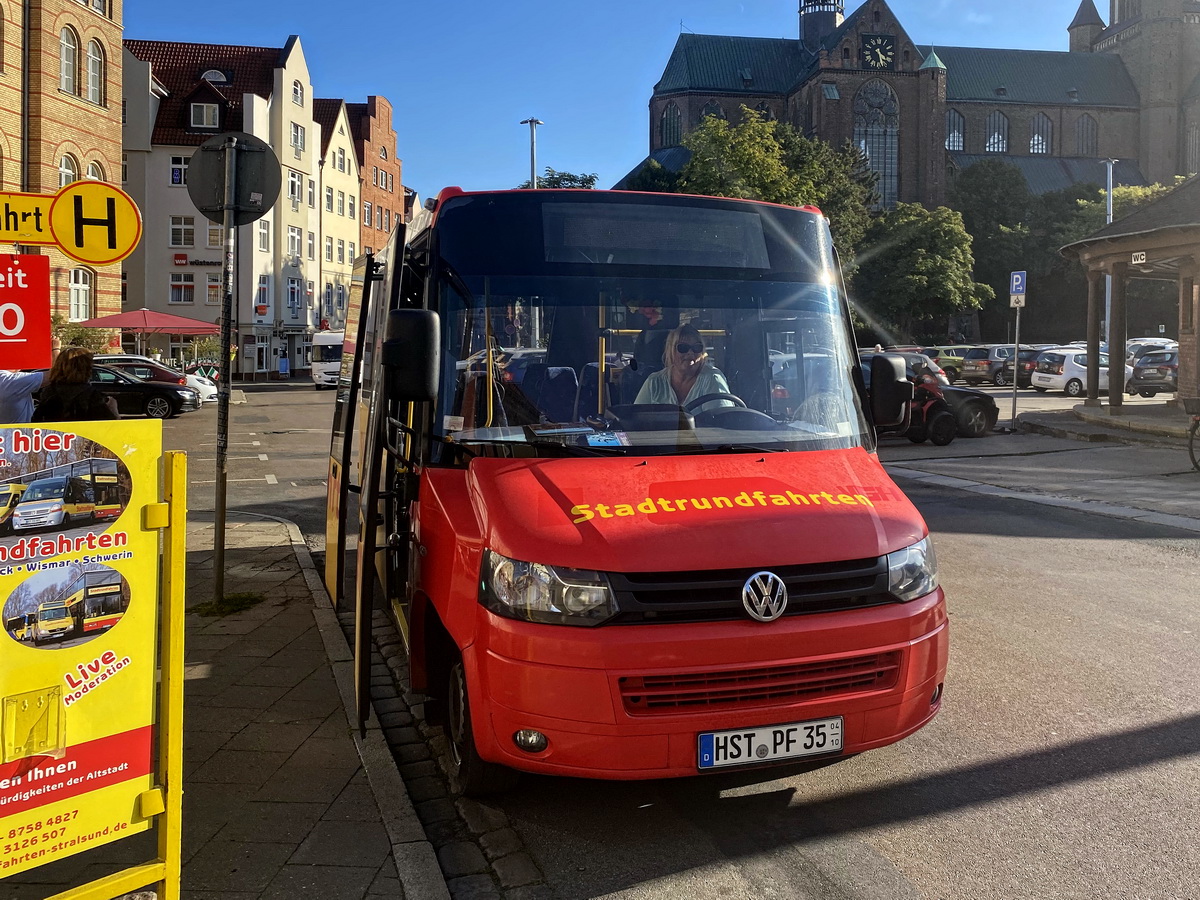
(327, 358)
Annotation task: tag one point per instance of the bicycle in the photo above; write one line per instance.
(1192, 442)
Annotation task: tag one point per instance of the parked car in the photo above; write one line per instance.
(949, 358)
(984, 363)
(1026, 363)
(974, 411)
(1065, 369)
(136, 397)
(1136, 349)
(151, 370)
(1154, 373)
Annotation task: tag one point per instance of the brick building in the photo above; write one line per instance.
(383, 196)
(60, 120)
(1128, 90)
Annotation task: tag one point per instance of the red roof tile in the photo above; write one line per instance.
(325, 113)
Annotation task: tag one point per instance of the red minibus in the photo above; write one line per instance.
(594, 582)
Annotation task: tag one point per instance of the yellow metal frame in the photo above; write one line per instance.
(165, 800)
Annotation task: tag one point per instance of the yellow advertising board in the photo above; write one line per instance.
(79, 645)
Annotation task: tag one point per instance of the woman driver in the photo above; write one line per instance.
(687, 373)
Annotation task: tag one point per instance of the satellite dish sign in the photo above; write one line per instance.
(256, 177)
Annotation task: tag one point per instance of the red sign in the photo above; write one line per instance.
(25, 311)
(181, 259)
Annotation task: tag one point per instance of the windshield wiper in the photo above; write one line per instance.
(563, 449)
(733, 448)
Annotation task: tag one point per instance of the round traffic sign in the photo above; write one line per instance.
(95, 222)
(257, 177)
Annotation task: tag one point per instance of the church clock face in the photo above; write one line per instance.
(878, 51)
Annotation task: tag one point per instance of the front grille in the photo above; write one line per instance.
(716, 595)
(767, 686)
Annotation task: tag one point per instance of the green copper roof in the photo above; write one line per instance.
(1053, 173)
(740, 65)
(933, 62)
(1044, 77)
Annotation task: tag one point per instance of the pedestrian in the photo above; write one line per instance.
(67, 394)
(16, 395)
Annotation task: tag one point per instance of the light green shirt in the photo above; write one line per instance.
(657, 389)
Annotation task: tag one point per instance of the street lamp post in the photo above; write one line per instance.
(533, 123)
(1108, 217)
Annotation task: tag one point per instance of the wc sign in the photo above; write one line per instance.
(24, 312)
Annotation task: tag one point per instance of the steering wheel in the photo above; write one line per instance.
(716, 395)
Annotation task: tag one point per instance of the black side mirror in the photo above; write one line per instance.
(891, 392)
(411, 355)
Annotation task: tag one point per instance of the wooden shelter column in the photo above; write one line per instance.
(1189, 351)
(1117, 332)
(1095, 299)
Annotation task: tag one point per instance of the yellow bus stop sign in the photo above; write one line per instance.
(90, 221)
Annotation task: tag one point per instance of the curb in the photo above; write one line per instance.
(416, 863)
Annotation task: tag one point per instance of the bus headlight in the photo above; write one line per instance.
(912, 572)
(548, 594)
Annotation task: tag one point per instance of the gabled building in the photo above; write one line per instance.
(1128, 90)
(60, 121)
(385, 201)
(339, 214)
(178, 96)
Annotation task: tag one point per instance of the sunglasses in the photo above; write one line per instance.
(690, 348)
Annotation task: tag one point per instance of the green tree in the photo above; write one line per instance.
(555, 179)
(915, 270)
(655, 178)
(71, 334)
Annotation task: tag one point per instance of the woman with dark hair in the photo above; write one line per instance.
(687, 373)
(67, 394)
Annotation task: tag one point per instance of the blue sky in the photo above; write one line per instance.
(462, 74)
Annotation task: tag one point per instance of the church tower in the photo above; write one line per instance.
(818, 19)
(1085, 27)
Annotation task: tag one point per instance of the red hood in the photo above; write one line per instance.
(685, 513)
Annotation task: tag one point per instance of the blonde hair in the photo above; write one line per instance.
(73, 366)
(688, 331)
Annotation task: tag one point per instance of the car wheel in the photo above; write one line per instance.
(974, 423)
(1147, 393)
(951, 374)
(999, 379)
(942, 429)
(158, 407)
(469, 774)
(1040, 390)
(1074, 388)
(973, 382)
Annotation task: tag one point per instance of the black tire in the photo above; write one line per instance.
(942, 429)
(951, 374)
(973, 382)
(974, 421)
(159, 407)
(1000, 379)
(1074, 388)
(1040, 390)
(1192, 443)
(469, 774)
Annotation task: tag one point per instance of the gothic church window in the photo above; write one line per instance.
(764, 110)
(877, 134)
(670, 127)
(955, 129)
(1041, 134)
(712, 108)
(997, 133)
(1087, 136)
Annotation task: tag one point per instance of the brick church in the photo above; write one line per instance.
(1128, 90)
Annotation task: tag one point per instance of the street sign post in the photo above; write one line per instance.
(233, 179)
(1016, 300)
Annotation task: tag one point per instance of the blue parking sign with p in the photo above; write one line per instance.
(1016, 283)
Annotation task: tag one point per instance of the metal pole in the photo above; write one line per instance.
(1108, 217)
(1016, 359)
(533, 123)
(223, 382)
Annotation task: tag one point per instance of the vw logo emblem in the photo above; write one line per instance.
(765, 596)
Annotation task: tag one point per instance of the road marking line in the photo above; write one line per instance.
(214, 459)
(214, 481)
(263, 457)
(271, 479)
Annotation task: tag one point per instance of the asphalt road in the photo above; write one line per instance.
(1065, 762)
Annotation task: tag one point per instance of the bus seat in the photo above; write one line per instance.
(747, 366)
(589, 388)
(474, 408)
(551, 389)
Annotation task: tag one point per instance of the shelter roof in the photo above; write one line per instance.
(1052, 173)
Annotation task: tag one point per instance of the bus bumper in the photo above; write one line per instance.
(880, 670)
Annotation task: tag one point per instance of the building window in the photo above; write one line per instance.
(312, 246)
(95, 73)
(1087, 136)
(341, 203)
(390, 182)
(297, 93)
(293, 296)
(68, 61)
(387, 220)
(379, 217)
(264, 234)
(328, 249)
(213, 289)
(262, 297)
(341, 159)
(352, 251)
(367, 211)
(298, 136)
(765, 112)
(341, 251)
(100, 6)
(877, 135)
(955, 129)
(1041, 134)
(80, 295)
(712, 108)
(312, 194)
(328, 299)
(329, 199)
(179, 167)
(350, 207)
(1191, 154)
(183, 287)
(670, 128)
(95, 172)
(216, 235)
(341, 296)
(124, 167)
(204, 115)
(295, 237)
(183, 231)
(375, 175)
(295, 186)
(997, 133)
(216, 76)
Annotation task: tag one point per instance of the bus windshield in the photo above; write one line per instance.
(54, 612)
(50, 489)
(327, 353)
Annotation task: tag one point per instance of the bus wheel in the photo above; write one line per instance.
(469, 775)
